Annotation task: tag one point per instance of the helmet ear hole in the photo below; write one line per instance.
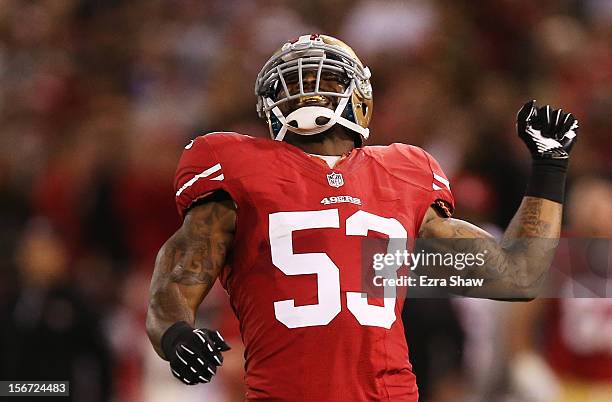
(361, 111)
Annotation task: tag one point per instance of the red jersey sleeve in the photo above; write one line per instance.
(199, 173)
(441, 195)
(414, 165)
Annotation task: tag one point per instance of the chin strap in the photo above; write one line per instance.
(311, 120)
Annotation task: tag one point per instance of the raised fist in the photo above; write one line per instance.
(549, 133)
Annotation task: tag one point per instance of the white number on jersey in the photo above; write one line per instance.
(283, 224)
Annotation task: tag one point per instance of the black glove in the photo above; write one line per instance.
(194, 354)
(549, 133)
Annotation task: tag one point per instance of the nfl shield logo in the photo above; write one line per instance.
(335, 179)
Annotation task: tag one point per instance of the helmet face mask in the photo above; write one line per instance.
(312, 84)
(329, 82)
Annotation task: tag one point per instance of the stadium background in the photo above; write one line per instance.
(98, 98)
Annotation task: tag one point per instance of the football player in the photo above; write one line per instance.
(280, 223)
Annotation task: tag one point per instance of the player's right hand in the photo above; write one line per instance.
(548, 133)
(194, 354)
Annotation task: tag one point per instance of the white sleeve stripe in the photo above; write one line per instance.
(197, 177)
(441, 180)
(219, 178)
(435, 186)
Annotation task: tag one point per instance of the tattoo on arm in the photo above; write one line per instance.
(187, 266)
(513, 268)
(536, 217)
(195, 267)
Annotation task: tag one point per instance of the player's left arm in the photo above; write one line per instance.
(515, 267)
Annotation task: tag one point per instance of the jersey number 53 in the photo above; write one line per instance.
(283, 224)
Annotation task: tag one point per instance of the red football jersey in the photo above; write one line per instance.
(294, 277)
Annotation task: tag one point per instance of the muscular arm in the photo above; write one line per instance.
(515, 267)
(187, 266)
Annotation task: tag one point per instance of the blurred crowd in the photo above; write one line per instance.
(98, 98)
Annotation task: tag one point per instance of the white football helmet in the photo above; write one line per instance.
(315, 55)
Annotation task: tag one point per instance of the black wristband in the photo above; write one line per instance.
(548, 179)
(169, 337)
